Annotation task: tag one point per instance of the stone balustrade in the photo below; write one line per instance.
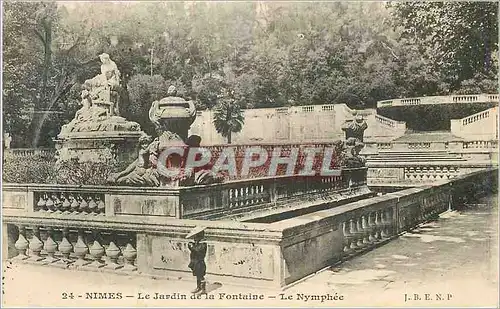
(422, 145)
(373, 147)
(475, 98)
(244, 196)
(30, 152)
(424, 174)
(179, 202)
(475, 117)
(491, 145)
(68, 202)
(75, 247)
(481, 125)
(271, 254)
(389, 122)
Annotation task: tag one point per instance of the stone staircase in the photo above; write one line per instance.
(414, 156)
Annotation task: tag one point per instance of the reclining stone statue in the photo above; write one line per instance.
(142, 171)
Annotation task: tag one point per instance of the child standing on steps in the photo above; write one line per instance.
(197, 258)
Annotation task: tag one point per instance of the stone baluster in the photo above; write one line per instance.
(92, 206)
(353, 234)
(371, 225)
(49, 205)
(248, 196)
(384, 222)
(112, 252)
(50, 247)
(57, 204)
(65, 247)
(359, 233)
(83, 206)
(96, 252)
(81, 250)
(378, 224)
(41, 203)
(101, 207)
(236, 197)
(347, 237)
(129, 255)
(366, 230)
(66, 204)
(21, 244)
(36, 246)
(74, 204)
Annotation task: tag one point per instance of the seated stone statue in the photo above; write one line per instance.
(142, 171)
(104, 87)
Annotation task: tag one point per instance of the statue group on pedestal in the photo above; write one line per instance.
(100, 103)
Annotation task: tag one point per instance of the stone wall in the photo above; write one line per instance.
(293, 124)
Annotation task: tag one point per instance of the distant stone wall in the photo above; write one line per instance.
(294, 124)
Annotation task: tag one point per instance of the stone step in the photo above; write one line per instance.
(417, 160)
(417, 152)
(416, 156)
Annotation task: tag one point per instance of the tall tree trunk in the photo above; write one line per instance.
(229, 137)
(39, 119)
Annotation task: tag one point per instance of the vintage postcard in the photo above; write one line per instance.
(249, 154)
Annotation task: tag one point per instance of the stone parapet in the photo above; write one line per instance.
(472, 98)
(203, 201)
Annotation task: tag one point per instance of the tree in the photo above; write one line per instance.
(143, 90)
(459, 38)
(228, 116)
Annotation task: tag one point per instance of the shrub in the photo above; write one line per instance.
(35, 168)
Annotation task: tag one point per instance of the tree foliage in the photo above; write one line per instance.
(460, 39)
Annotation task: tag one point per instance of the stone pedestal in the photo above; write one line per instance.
(98, 146)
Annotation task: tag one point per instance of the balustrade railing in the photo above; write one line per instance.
(236, 196)
(419, 145)
(384, 146)
(476, 117)
(29, 152)
(367, 229)
(475, 98)
(181, 202)
(412, 101)
(426, 173)
(69, 203)
(69, 247)
(390, 122)
(480, 145)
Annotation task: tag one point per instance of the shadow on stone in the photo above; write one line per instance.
(213, 286)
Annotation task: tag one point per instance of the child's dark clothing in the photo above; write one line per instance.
(197, 256)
